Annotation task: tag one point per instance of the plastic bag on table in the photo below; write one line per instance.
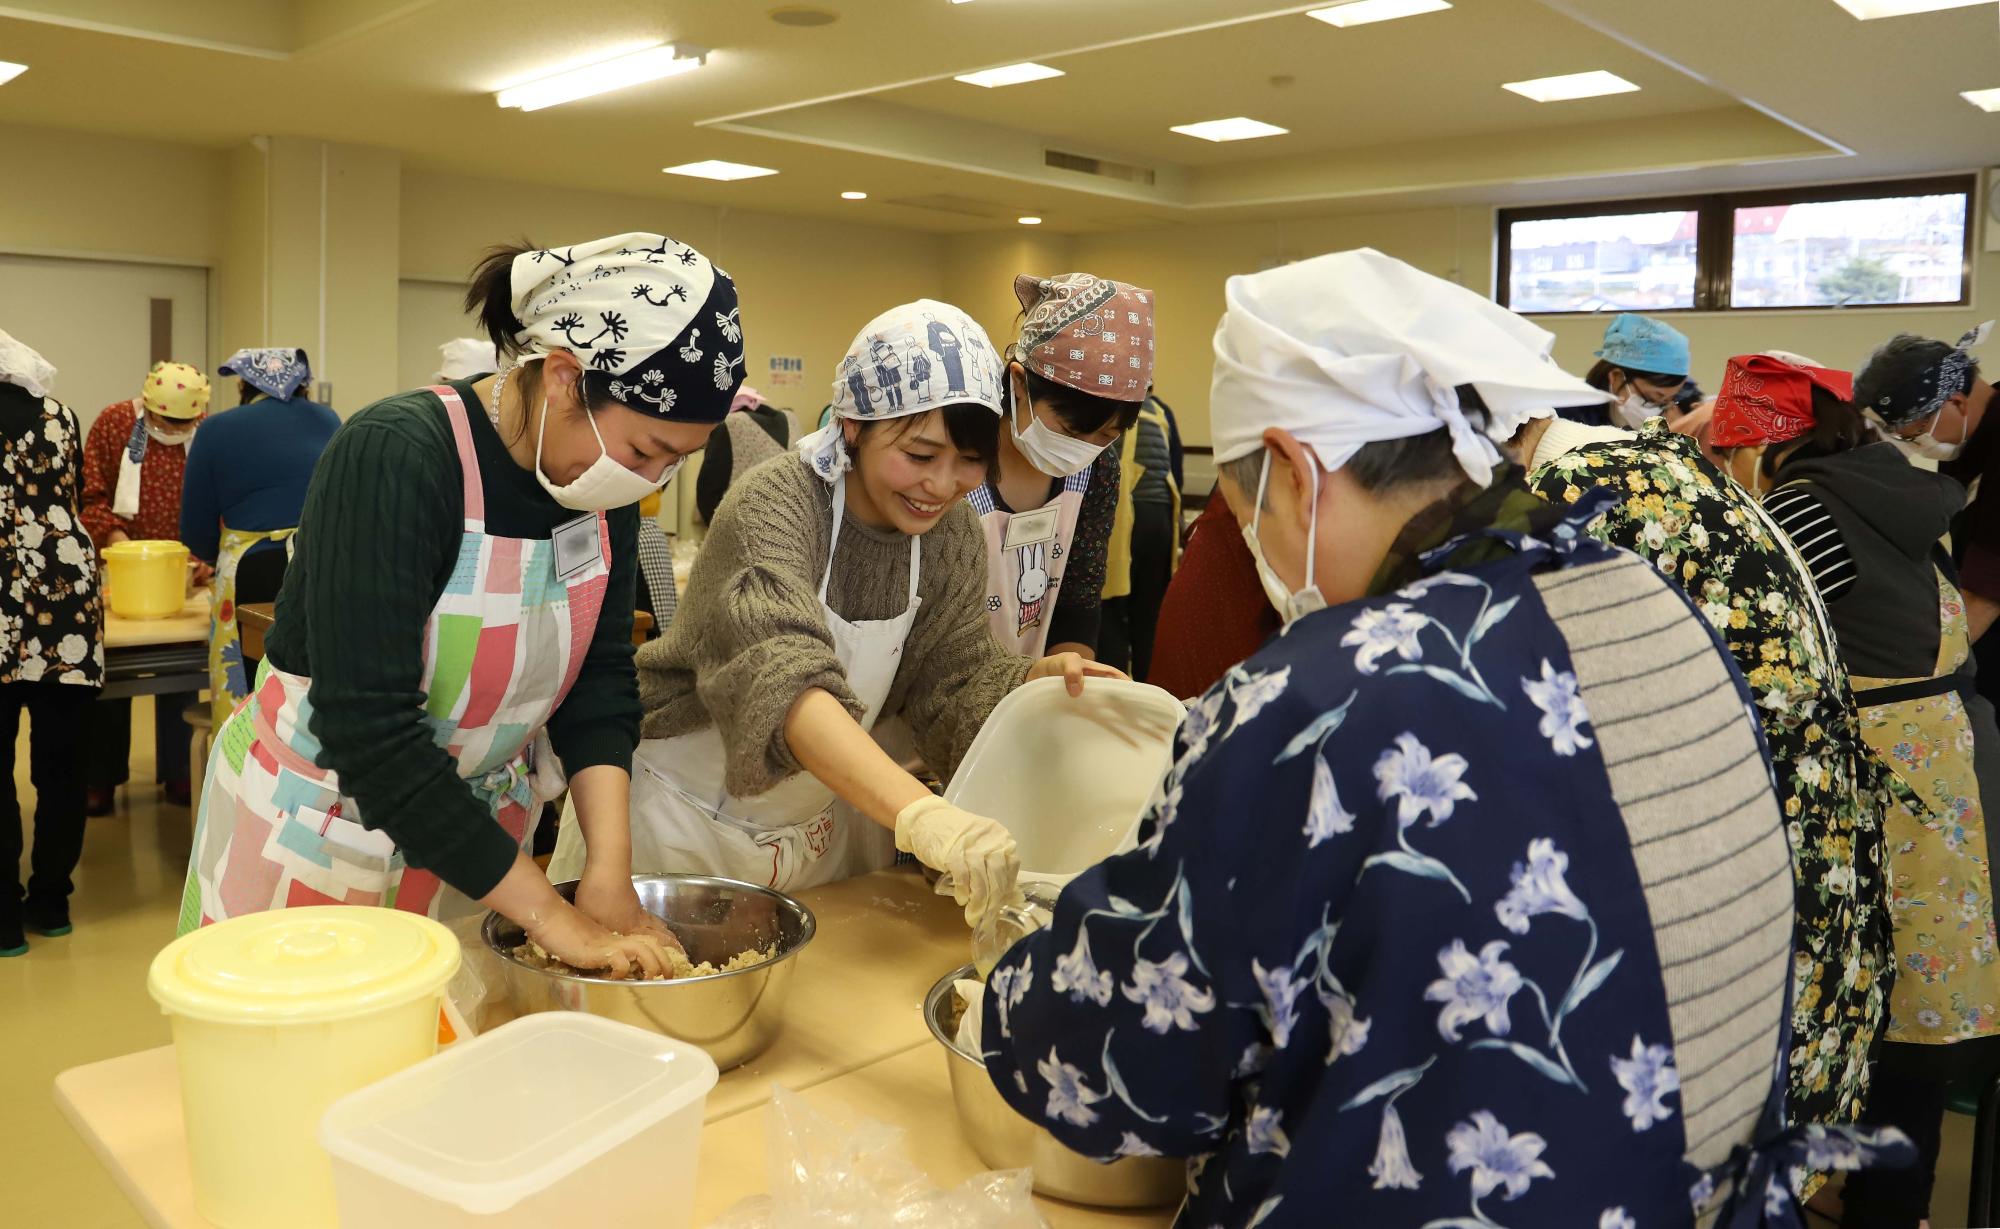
(476, 992)
(831, 1176)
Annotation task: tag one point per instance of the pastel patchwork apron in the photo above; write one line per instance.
(795, 835)
(228, 682)
(1025, 558)
(502, 648)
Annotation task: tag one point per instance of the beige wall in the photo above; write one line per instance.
(807, 285)
(75, 194)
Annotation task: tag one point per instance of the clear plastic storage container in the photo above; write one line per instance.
(1069, 776)
(558, 1118)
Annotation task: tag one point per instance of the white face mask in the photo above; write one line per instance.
(1047, 449)
(1291, 605)
(169, 438)
(1633, 410)
(1930, 446)
(605, 484)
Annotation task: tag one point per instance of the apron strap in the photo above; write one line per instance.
(1921, 689)
(833, 544)
(468, 456)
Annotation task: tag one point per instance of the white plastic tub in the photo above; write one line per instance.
(1070, 777)
(558, 1118)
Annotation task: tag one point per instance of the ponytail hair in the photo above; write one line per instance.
(490, 294)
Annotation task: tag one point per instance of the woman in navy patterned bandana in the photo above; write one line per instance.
(462, 585)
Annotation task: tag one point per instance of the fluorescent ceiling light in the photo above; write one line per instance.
(1575, 85)
(1869, 10)
(716, 168)
(10, 70)
(1238, 128)
(1364, 12)
(616, 73)
(1029, 220)
(1985, 100)
(854, 196)
(1010, 74)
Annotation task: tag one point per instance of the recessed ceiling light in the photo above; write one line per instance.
(1238, 128)
(854, 196)
(1025, 219)
(716, 168)
(10, 70)
(1985, 100)
(1869, 10)
(1010, 74)
(1572, 86)
(803, 17)
(1363, 12)
(588, 80)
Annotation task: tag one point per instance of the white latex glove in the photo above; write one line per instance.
(973, 995)
(975, 853)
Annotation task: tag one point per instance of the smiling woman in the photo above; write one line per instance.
(463, 580)
(837, 589)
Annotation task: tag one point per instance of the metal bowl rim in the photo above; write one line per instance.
(489, 930)
(931, 998)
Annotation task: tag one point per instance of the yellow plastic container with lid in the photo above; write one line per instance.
(275, 1017)
(146, 580)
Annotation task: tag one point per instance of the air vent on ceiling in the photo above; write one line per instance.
(1086, 165)
(964, 206)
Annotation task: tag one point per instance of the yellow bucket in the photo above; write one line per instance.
(146, 580)
(275, 1017)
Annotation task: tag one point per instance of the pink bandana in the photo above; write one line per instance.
(1088, 333)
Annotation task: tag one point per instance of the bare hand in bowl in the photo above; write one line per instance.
(614, 902)
(583, 943)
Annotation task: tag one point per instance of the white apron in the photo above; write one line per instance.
(797, 834)
(1026, 554)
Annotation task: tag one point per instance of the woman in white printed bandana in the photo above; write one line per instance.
(455, 626)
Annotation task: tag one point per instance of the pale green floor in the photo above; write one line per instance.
(83, 997)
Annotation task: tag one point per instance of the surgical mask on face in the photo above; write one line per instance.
(605, 484)
(1291, 605)
(169, 438)
(1930, 446)
(1633, 409)
(1047, 449)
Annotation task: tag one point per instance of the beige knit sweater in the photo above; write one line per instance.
(750, 636)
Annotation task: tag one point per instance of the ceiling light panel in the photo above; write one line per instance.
(854, 196)
(1573, 86)
(1010, 74)
(1367, 12)
(1237, 128)
(10, 70)
(1985, 100)
(716, 168)
(588, 80)
(1869, 10)
(1029, 219)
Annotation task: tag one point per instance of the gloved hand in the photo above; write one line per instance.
(974, 852)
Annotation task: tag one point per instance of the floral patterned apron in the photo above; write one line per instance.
(1025, 556)
(1947, 985)
(228, 684)
(502, 648)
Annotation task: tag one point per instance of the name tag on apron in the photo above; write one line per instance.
(577, 547)
(1028, 528)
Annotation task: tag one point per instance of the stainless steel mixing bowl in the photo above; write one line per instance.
(733, 1016)
(1005, 1140)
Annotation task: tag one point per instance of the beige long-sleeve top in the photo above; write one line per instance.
(750, 635)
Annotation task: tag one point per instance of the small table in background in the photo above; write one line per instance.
(147, 657)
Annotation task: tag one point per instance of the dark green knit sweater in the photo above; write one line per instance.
(380, 534)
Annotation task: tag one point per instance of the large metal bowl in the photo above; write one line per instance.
(1005, 1140)
(733, 1016)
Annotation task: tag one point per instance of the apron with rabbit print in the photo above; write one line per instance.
(1026, 553)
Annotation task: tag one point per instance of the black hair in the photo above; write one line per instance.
(1386, 465)
(1897, 368)
(973, 428)
(1837, 427)
(1081, 413)
(1599, 376)
(489, 293)
(246, 392)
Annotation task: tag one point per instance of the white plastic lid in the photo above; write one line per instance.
(496, 1119)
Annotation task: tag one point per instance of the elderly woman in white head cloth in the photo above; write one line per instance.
(1434, 799)
(838, 586)
(455, 628)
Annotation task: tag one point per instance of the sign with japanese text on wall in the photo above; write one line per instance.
(787, 371)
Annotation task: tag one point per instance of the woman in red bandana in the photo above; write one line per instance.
(1870, 527)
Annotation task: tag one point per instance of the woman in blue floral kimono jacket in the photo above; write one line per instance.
(1412, 940)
